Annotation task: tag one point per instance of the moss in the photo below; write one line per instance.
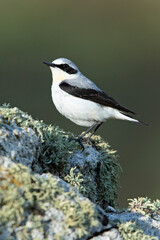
(130, 230)
(99, 183)
(24, 196)
(144, 205)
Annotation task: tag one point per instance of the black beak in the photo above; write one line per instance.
(49, 64)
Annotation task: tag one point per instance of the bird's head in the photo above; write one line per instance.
(62, 69)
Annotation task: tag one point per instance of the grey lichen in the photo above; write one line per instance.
(94, 172)
(21, 145)
(31, 204)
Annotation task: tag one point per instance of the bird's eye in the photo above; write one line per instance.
(65, 67)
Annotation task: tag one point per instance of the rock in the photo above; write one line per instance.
(108, 235)
(18, 144)
(140, 221)
(50, 189)
(37, 206)
(45, 148)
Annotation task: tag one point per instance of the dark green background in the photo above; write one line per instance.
(114, 43)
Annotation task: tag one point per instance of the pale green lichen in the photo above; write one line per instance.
(26, 196)
(130, 230)
(144, 205)
(75, 179)
(56, 151)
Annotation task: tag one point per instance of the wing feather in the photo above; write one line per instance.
(93, 95)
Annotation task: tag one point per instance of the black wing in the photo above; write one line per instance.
(93, 95)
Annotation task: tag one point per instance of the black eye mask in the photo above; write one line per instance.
(66, 68)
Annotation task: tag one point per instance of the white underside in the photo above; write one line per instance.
(83, 112)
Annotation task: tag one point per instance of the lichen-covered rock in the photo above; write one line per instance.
(140, 221)
(45, 148)
(130, 230)
(112, 234)
(92, 172)
(19, 144)
(34, 206)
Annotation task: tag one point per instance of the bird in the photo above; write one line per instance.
(79, 99)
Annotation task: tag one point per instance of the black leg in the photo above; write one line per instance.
(96, 128)
(80, 138)
(88, 130)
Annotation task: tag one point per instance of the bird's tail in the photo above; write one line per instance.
(132, 119)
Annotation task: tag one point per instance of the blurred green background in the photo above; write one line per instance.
(114, 43)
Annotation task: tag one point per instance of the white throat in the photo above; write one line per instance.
(58, 75)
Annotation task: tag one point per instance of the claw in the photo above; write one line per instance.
(79, 140)
(80, 143)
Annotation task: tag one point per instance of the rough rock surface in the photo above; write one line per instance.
(36, 202)
(45, 148)
(136, 225)
(37, 206)
(19, 144)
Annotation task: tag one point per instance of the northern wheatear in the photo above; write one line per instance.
(79, 99)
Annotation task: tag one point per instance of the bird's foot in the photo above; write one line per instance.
(85, 140)
(79, 140)
(89, 141)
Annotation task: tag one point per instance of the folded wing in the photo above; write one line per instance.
(94, 95)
